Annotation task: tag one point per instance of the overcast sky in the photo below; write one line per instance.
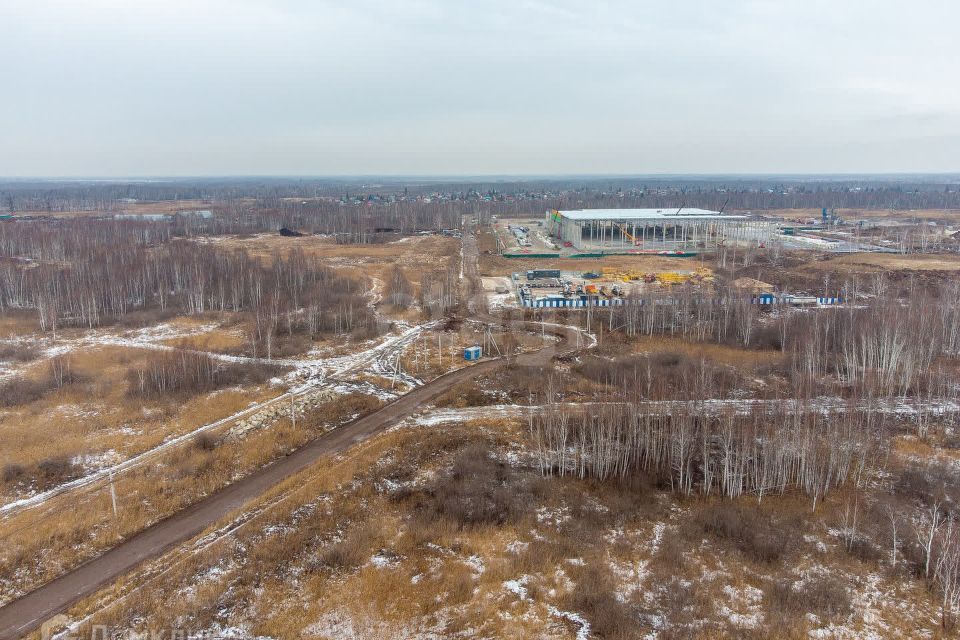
(223, 87)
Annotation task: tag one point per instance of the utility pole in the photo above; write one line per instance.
(113, 496)
(396, 371)
(488, 338)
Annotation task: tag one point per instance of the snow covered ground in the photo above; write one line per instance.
(826, 405)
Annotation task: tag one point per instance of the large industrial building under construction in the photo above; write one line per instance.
(653, 229)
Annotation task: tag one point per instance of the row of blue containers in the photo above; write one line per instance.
(595, 301)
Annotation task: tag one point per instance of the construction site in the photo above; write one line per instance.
(551, 288)
(653, 230)
(610, 286)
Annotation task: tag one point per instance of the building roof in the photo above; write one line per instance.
(644, 214)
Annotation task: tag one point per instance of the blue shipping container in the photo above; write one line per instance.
(472, 353)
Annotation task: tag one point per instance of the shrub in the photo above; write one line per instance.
(465, 394)
(61, 373)
(670, 556)
(756, 534)
(205, 442)
(18, 391)
(823, 595)
(18, 352)
(662, 374)
(594, 597)
(55, 471)
(478, 490)
(930, 483)
(13, 472)
(186, 373)
(349, 553)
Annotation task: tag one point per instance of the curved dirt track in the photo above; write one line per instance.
(30, 611)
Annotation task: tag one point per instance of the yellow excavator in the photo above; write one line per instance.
(626, 234)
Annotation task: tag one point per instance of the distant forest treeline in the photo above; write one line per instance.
(440, 202)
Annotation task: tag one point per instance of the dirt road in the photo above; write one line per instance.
(30, 611)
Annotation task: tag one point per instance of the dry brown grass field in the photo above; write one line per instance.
(876, 262)
(413, 253)
(42, 542)
(97, 419)
(745, 359)
(408, 535)
(802, 215)
(13, 325)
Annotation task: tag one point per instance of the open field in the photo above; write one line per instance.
(132, 208)
(97, 420)
(876, 262)
(410, 252)
(946, 216)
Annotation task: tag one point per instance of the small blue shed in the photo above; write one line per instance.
(472, 353)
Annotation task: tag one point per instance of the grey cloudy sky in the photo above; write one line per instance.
(194, 87)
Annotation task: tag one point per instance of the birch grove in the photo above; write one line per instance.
(76, 283)
(731, 453)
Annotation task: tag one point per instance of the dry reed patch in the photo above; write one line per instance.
(14, 324)
(910, 448)
(744, 359)
(230, 337)
(95, 416)
(62, 421)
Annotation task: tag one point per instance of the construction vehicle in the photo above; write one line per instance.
(590, 289)
(629, 276)
(672, 277)
(626, 234)
(702, 274)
